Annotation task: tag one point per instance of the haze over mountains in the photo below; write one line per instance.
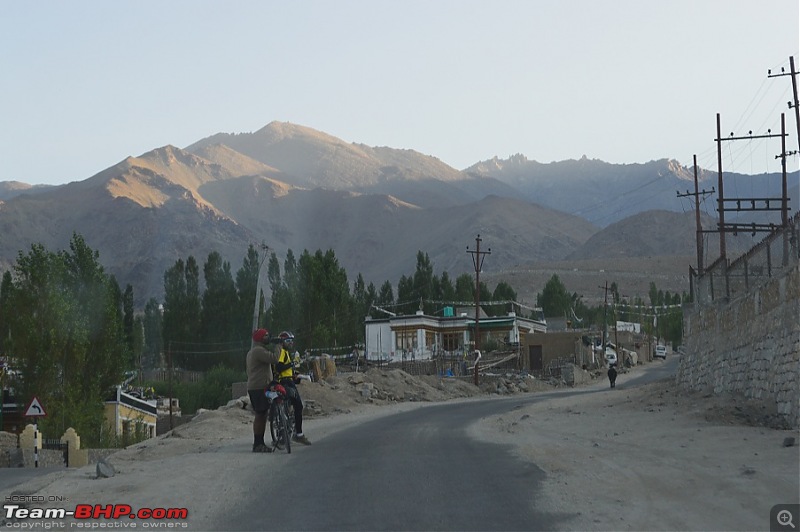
(292, 187)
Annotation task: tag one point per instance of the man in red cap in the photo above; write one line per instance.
(259, 374)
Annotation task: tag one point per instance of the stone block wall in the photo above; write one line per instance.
(749, 345)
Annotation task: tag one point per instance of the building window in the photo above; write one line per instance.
(430, 340)
(451, 341)
(406, 340)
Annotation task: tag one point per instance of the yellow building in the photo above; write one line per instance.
(127, 414)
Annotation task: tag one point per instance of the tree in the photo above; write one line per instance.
(386, 294)
(446, 288)
(128, 318)
(554, 299)
(503, 292)
(465, 287)
(405, 296)
(653, 292)
(384, 300)
(193, 305)
(246, 283)
(219, 303)
(280, 301)
(324, 301)
(153, 337)
(422, 284)
(363, 298)
(67, 335)
(181, 319)
(5, 309)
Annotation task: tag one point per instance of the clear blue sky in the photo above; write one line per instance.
(85, 84)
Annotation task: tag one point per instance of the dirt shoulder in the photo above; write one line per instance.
(654, 458)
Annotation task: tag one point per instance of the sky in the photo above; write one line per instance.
(85, 84)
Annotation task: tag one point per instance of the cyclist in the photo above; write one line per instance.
(259, 376)
(286, 377)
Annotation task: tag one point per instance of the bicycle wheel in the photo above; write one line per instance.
(284, 433)
(273, 425)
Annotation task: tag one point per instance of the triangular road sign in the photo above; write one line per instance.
(35, 409)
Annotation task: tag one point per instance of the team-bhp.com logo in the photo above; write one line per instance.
(91, 512)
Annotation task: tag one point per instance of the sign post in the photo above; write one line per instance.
(35, 410)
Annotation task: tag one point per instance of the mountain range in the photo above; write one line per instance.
(292, 187)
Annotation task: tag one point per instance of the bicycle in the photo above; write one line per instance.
(281, 418)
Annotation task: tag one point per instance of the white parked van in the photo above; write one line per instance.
(611, 356)
(661, 352)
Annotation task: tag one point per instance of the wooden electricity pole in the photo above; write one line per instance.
(699, 227)
(477, 261)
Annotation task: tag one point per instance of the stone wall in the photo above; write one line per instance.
(749, 345)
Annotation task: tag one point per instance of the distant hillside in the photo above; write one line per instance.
(146, 212)
(292, 187)
(12, 189)
(605, 193)
(316, 159)
(657, 234)
(310, 159)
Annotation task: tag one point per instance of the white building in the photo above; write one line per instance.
(421, 337)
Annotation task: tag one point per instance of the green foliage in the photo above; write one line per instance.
(465, 287)
(219, 303)
(424, 283)
(246, 284)
(213, 391)
(68, 315)
(405, 294)
(447, 291)
(153, 339)
(6, 286)
(109, 439)
(554, 299)
(502, 292)
(66, 334)
(128, 318)
(181, 319)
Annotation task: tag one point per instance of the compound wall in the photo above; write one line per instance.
(749, 345)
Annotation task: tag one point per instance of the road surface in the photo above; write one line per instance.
(417, 470)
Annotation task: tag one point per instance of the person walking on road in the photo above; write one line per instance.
(259, 375)
(612, 375)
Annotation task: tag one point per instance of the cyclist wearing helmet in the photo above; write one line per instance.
(285, 370)
(259, 376)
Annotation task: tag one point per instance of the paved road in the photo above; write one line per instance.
(13, 476)
(416, 470)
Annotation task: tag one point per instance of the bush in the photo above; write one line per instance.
(210, 393)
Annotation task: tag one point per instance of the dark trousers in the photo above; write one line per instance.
(297, 403)
(612, 376)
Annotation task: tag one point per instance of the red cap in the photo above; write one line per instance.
(260, 334)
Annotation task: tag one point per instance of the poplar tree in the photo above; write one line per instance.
(67, 336)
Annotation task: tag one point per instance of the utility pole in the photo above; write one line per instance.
(794, 104)
(169, 357)
(605, 319)
(721, 223)
(736, 227)
(697, 216)
(257, 304)
(477, 262)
